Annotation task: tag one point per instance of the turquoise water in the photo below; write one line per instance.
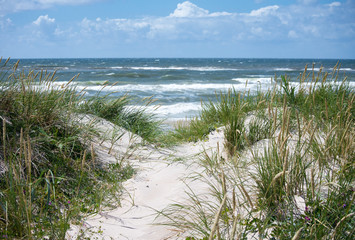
(178, 85)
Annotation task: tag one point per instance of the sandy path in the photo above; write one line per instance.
(159, 181)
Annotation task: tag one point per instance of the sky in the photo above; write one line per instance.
(177, 28)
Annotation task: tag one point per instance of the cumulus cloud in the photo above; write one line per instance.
(265, 11)
(44, 27)
(190, 10)
(43, 20)
(111, 26)
(334, 4)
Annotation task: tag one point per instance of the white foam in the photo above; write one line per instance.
(264, 80)
(61, 68)
(331, 69)
(284, 69)
(162, 87)
(260, 76)
(347, 69)
(60, 82)
(316, 69)
(110, 74)
(253, 83)
(202, 69)
(173, 110)
(178, 108)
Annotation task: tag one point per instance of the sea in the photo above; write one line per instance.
(178, 85)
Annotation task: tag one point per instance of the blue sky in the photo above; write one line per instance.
(170, 28)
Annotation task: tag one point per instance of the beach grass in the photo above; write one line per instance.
(118, 111)
(290, 168)
(49, 176)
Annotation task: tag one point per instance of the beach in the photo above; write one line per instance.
(177, 120)
(248, 160)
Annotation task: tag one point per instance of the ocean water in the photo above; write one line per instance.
(178, 85)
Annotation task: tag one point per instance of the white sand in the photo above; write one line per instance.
(162, 178)
(159, 181)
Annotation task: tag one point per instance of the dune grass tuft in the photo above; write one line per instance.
(290, 171)
(117, 110)
(49, 177)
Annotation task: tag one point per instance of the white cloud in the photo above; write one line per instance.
(265, 11)
(113, 25)
(5, 23)
(190, 10)
(43, 20)
(334, 4)
(44, 27)
(307, 2)
(292, 34)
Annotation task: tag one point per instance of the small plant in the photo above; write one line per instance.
(235, 138)
(259, 129)
(270, 180)
(215, 114)
(117, 110)
(290, 92)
